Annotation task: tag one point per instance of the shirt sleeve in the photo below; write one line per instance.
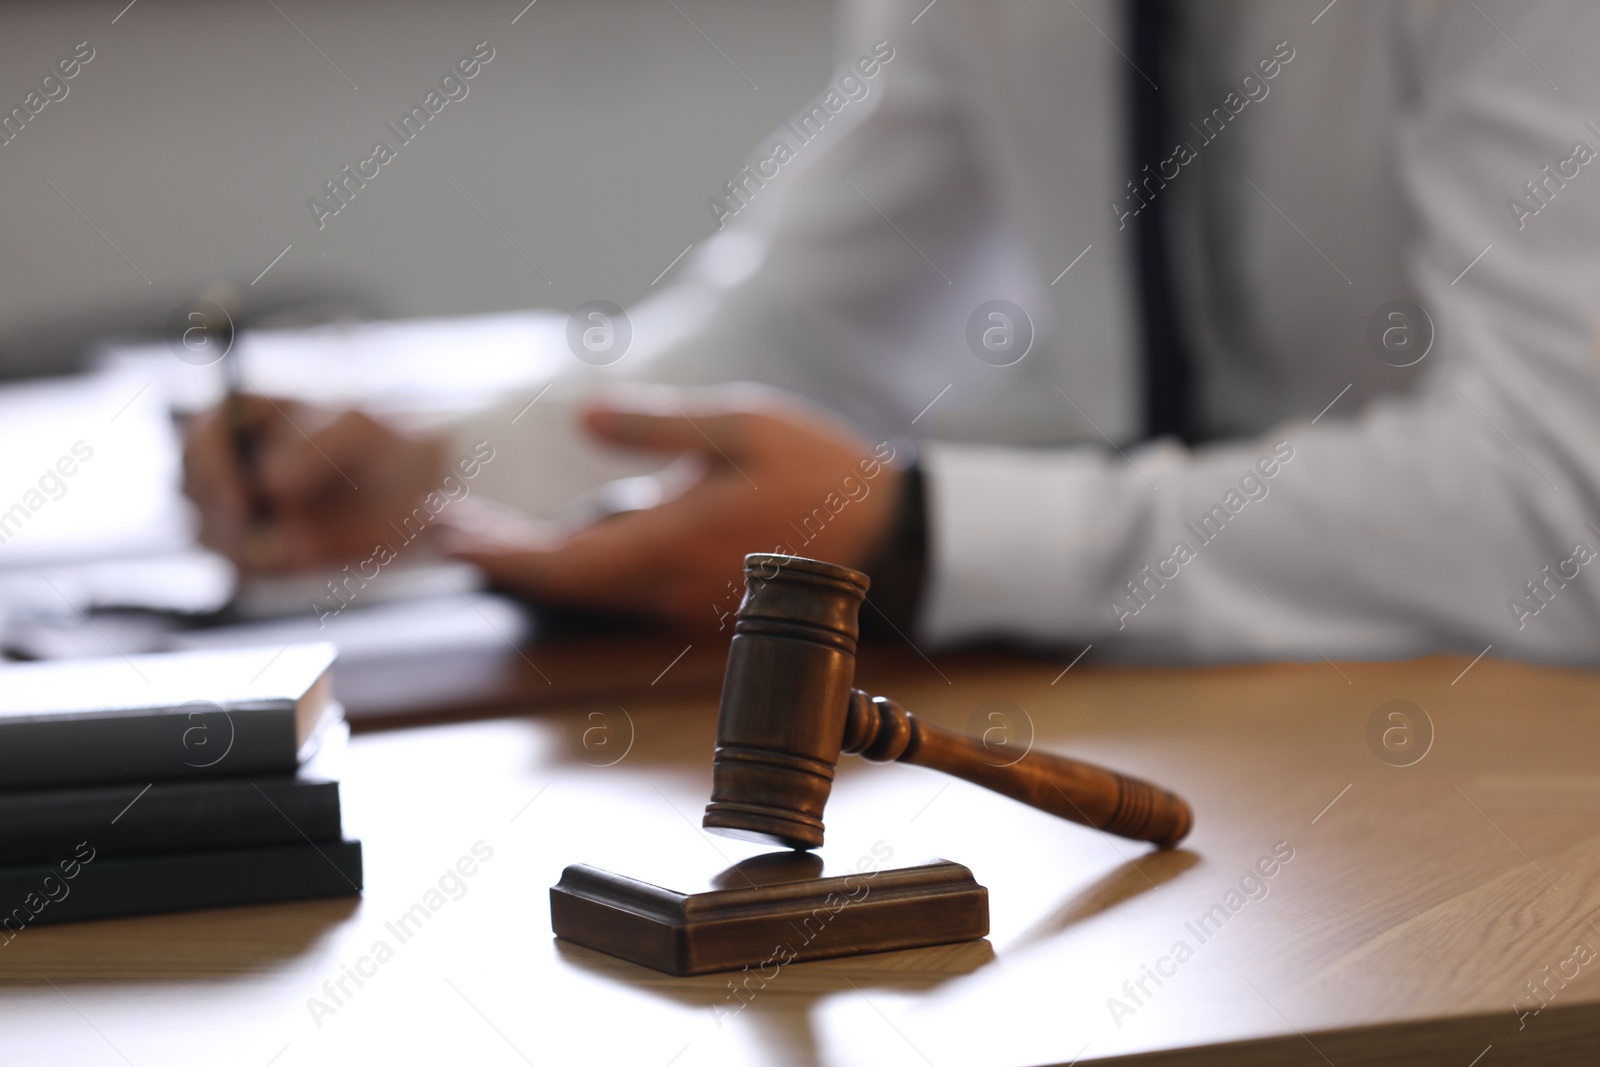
(810, 286)
(1458, 518)
(814, 286)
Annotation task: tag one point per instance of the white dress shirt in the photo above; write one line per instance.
(1445, 506)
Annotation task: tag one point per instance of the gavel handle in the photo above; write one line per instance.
(881, 730)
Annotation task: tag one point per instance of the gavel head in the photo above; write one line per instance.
(785, 699)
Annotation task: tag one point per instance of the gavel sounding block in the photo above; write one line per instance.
(772, 909)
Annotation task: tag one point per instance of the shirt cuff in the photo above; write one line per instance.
(1007, 534)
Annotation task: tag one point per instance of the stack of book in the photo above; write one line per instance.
(165, 782)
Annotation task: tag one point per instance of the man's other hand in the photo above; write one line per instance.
(777, 476)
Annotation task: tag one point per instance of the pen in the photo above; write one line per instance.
(261, 544)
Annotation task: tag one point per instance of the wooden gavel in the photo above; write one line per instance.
(788, 710)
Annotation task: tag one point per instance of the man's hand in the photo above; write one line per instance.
(777, 477)
(333, 481)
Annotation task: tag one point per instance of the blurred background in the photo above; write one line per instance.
(184, 153)
(186, 150)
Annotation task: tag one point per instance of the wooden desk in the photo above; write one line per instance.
(1418, 901)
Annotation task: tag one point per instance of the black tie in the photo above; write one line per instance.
(1167, 377)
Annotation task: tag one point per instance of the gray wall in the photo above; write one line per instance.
(198, 132)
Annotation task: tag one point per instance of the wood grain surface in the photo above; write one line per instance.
(1409, 914)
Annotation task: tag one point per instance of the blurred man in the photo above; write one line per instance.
(1337, 264)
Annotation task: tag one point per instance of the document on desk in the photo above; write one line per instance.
(90, 471)
(427, 626)
(81, 577)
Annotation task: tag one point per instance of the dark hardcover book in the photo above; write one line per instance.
(87, 885)
(38, 826)
(227, 713)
